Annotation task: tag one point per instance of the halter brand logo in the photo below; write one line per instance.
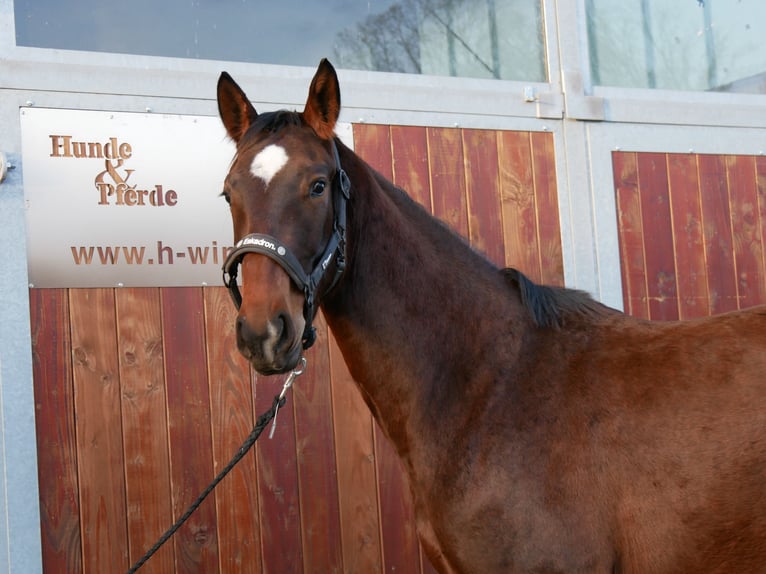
(259, 242)
(112, 184)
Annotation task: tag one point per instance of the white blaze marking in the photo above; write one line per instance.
(270, 342)
(268, 162)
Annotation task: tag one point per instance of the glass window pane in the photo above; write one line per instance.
(678, 44)
(468, 38)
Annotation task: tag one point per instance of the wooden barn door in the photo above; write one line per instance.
(692, 232)
(142, 397)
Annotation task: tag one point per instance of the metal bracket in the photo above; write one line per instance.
(579, 105)
(547, 104)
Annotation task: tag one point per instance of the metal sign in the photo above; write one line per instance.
(125, 199)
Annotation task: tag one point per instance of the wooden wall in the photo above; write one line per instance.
(692, 231)
(142, 397)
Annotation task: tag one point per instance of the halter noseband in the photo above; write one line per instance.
(276, 250)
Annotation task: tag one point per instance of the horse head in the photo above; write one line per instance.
(287, 196)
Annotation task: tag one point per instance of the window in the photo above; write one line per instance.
(678, 44)
(468, 38)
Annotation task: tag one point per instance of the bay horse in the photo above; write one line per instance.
(540, 431)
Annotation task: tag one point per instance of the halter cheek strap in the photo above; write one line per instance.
(279, 252)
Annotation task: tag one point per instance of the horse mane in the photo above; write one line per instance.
(550, 306)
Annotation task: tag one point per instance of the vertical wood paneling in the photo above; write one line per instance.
(760, 178)
(278, 484)
(191, 457)
(746, 230)
(517, 193)
(373, 144)
(547, 208)
(716, 218)
(231, 417)
(355, 464)
(631, 236)
(55, 426)
(319, 510)
(655, 211)
(688, 239)
(482, 188)
(447, 170)
(100, 463)
(716, 239)
(409, 162)
(144, 424)
(401, 551)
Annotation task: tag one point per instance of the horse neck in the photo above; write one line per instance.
(415, 309)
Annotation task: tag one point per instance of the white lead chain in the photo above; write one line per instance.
(296, 372)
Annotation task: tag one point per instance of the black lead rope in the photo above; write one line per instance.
(260, 424)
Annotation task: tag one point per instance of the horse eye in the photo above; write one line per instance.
(318, 187)
(226, 196)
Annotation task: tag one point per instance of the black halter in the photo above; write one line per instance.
(276, 250)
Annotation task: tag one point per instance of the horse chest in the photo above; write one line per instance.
(491, 543)
(492, 521)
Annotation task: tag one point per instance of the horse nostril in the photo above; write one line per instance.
(247, 335)
(267, 343)
(243, 328)
(283, 329)
(275, 331)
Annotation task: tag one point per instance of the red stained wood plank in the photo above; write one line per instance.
(719, 252)
(99, 434)
(447, 172)
(760, 169)
(147, 463)
(320, 512)
(401, 551)
(372, 143)
(353, 427)
(231, 417)
(409, 151)
(655, 211)
(278, 491)
(517, 192)
(746, 230)
(631, 233)
(688, 239)
(483, 191)
(55, 425)
(191, 456)
(547, 205)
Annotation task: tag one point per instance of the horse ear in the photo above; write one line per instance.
(323, 104)
(236, 111)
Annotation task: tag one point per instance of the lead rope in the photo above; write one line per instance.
(288, 383)
(260, 424)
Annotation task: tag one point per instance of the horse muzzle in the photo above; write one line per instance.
(273, 348)
(270, 322)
